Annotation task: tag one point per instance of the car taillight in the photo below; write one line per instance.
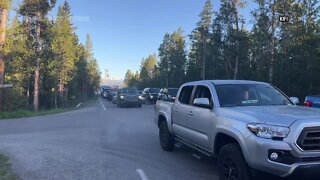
(308, 104)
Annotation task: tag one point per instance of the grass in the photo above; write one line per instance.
(5, 169)
(26, 113)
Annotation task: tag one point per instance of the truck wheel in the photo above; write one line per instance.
(166, 138)
(231, 164)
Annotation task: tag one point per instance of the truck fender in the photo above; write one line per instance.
(238, 136)
(166, 118)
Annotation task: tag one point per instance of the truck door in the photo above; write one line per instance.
(180, 112)
(201, 121)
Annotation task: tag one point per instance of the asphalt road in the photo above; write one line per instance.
(100, 142)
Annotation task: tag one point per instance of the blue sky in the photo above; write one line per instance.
(125, 31)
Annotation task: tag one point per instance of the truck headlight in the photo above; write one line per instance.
(140, 97)
(151, 97)
(268, 131)
(121, 97)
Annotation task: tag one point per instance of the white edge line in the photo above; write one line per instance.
(196, 156)
(142, 174)
(78, 105)
(104, 108)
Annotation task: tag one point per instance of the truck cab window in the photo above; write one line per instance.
(185, 94)
(203, 92)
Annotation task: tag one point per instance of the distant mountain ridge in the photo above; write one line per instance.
(112, 82)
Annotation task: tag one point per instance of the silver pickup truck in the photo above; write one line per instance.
(248, 126)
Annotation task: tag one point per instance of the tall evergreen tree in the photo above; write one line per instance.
(164, 54)
(173, 59)
(129, 77)
(260, 43)
(200, 37)
(18, 71)
(232, 36)
(64, 47)
(148, 67)
(92, 66)
(36, 11)
(216, 63)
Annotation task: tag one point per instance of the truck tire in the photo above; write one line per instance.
(166, 138)
(231, 164)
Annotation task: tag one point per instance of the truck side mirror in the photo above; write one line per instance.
(295, 100)
(202, 102)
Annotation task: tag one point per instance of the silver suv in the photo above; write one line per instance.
(245, 124)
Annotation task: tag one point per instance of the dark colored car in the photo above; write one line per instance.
(111, 93)
(104, 94)
(312, 101)
(150, 95)
(128, 97)
(104, 91)
(168, 94)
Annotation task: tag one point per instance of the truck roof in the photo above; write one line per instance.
(221, 82)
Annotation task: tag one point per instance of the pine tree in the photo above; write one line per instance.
(200, 37)
(129, 78)
(148, 67)
(172, 53)
(297, 44)
(64, 49)
(164, 54)
(216, 64)
(36, 11)
(18, 71)
(260, 43)
(92, 67)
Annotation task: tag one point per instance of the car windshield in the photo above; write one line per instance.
(231, 95)
(154, 90)
(113, 91)
(173, 92)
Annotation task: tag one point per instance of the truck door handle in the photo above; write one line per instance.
(191, 113)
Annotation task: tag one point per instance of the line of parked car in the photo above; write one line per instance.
(131, 96)
(134, 97)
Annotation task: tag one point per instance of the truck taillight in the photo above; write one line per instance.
(308, 104)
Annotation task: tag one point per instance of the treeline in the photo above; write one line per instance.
(286, 54)
(44, 60)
